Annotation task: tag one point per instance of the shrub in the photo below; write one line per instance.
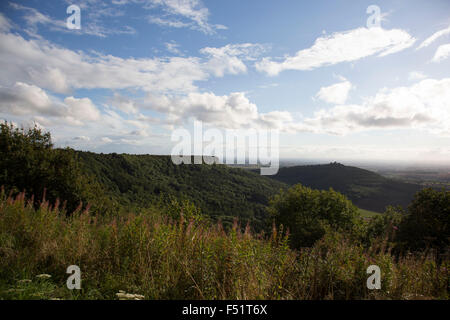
(427, 224)
(148, 254)
(384, 226)
(308, 213)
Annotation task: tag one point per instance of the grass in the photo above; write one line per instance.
(367, 213)
(148, 254)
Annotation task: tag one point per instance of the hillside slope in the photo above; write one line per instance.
(219, 191)
(368, 190)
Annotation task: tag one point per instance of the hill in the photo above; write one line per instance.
(224, 193)
(368, 190)
(219, 191)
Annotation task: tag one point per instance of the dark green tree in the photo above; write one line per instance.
(309, 213)
(29, 163)
(427, 224)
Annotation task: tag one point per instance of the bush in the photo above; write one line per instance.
(309, 213)
(148, 254)
(427, 225)
(385, 226)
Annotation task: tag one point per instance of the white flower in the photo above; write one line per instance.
(122, 295)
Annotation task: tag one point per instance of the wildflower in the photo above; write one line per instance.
(43, 276)
(122, 295)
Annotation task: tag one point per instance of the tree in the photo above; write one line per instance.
(384, 227)
(29, 162)
(309, 213)
(427, 224)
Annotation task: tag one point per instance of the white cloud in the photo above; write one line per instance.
(175, 13)
(442, 53)
(72, 119)
(274, 119)
(61, 70)
(106, 140)
(336, 93)
(81, 109)
(172, 47)
(82, 138)
(5, 25)
(168, 22)
(191, 10)
(342, 47)
(23, 99)
(230, 58)
(416, 75)
(91, 25)
(268, 85)
(124, 104)
(434, 37)
(424, 105)
(233, 111)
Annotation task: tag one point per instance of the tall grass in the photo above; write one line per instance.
(148, 254)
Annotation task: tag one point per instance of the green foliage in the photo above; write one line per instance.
(385, 226)
(151, 255)
(29, 162)
(427, 224)
(367, 190)
(182, 210)
(309, 213)
(368, 213)
(173, 250)
(220, 192)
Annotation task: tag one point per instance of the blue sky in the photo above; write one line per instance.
(138, 69)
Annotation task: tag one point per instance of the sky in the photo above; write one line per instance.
(359, 80)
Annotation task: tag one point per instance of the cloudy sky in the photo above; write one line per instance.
(335, 86)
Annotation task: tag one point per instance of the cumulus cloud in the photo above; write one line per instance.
(71, 120)
(24, 99)
(434, 37)
(341, 47)
(336, 93)
(233, 111)
(442, 53)
(424, 105)
(61, 70)
(124, 104)
(81, 109)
